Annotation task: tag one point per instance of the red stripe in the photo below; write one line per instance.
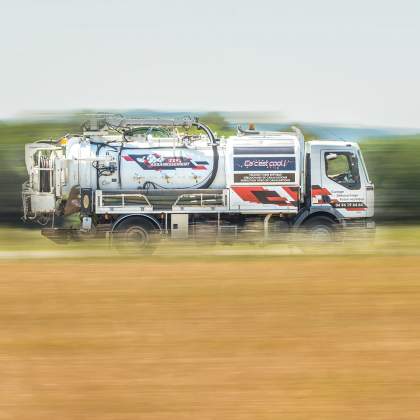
(246, 193)
(320, 191)
(292, 191)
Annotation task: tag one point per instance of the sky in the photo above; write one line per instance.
(331, 61)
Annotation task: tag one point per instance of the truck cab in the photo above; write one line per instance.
(338, 179)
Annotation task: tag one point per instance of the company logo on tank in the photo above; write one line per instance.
(156, 162)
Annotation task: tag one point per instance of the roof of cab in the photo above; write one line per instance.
(332, 143)
(266, 136)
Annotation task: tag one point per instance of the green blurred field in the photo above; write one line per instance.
(211, 335)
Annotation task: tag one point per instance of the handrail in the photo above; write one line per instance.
(202, 199)
(100, 198)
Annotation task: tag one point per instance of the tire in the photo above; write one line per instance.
(321, 230)
(135, 235)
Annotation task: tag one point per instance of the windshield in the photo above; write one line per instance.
(342, 168)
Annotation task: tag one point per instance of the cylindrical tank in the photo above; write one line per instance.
(115, 165)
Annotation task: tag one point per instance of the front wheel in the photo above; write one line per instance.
(321, 230)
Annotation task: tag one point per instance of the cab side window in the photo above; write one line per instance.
(342, 168)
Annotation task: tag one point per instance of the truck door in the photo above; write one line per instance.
(343, 182)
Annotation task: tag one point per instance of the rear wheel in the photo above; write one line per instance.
(135, 235)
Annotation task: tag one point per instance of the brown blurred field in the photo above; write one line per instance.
(260, 338)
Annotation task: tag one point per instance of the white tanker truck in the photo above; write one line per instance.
(133, 178)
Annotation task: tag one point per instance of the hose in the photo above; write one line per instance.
(214, 169)
(213, 142)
